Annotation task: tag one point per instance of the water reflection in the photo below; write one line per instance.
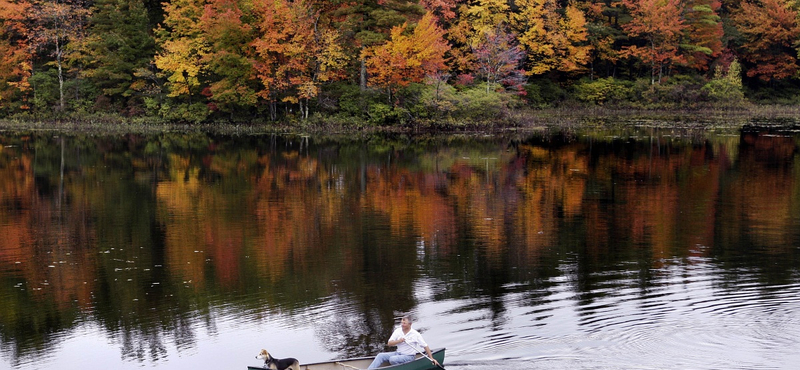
(637, 246)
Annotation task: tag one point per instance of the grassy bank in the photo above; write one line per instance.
(521, 119)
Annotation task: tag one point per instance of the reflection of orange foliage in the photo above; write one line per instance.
(224, 243)
(667, 200)
(52, 260)
(17, 183)
(555, 180)
(287, 219)
(435, 221)
(767, 204)
(484, 210)
(647, 202)
(278, 212)
(699, 199)
(651, 201)
(281, 222)
(183, 216)
(411, 202)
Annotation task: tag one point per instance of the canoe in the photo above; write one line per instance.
(420, 363)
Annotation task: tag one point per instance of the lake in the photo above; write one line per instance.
(609, 248)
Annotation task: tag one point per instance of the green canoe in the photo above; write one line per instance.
(420, 363)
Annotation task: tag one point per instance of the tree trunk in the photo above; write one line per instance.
(653, 63)
(363, 75)
(60, 77)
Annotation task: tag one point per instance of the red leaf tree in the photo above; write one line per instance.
(659, 27)
(770, 30)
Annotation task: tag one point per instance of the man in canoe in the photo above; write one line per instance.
(408, 342)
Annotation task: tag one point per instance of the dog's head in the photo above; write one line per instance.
(263, 355)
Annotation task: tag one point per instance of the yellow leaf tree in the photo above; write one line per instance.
(183, 47)
(475, 20)
(554, 39)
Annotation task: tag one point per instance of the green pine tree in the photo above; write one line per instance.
(118, 47)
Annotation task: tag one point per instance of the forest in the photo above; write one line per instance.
(389, 61)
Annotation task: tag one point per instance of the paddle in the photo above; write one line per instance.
(426, 356)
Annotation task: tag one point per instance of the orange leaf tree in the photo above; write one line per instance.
(770, 30)
(657, 28)
(15, 60)
(293, 53)
(407, 58)
(442, 9)
(368, 23)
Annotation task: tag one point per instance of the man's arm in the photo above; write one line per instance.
(396, 338)
(430, 355)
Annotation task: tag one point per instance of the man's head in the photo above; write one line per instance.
(406, 322)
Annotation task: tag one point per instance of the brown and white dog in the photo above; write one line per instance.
(277, 363)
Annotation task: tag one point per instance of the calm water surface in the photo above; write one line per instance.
(631, 248)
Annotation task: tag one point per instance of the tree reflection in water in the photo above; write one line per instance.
(158, 239)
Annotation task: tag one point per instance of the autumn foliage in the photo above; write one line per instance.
(660, 26)
(15, 61)
(197, 59)
(555, 38)
(770, 29)
(405, 59)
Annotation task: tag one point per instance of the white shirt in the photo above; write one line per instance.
(413, 337)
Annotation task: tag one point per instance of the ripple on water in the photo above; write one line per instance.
(687, 318)
(696, 322)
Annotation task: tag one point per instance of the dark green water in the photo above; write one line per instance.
(632, 248)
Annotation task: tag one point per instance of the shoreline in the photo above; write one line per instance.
(514, 121)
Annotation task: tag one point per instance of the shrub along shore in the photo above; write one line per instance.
(428, 107)
(513, 120)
